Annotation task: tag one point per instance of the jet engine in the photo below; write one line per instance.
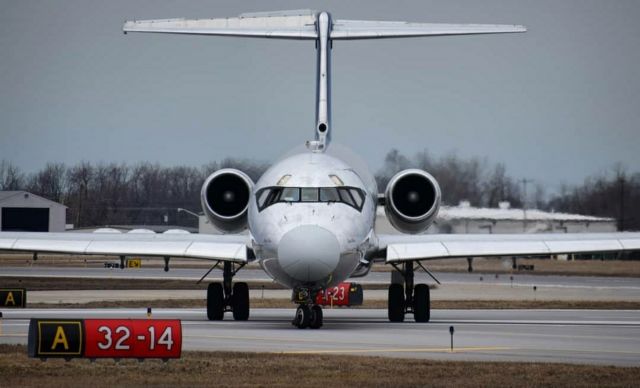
(225, 199)
(412, 200)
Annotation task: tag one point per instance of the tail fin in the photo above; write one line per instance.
(312, 25)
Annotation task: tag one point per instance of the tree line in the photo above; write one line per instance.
(150, 194)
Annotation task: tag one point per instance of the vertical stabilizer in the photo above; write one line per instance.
(317, 26)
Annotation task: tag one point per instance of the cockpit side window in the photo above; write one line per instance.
(346, 197)
(351, 196)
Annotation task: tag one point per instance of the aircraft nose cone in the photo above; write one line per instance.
(308, 253)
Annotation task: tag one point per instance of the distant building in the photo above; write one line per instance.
(465, 219)
(21, 211)
(136, 229)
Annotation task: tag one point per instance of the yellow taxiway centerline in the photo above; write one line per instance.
(401, 350)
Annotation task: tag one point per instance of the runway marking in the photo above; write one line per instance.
(401, 350)
(583, 350)
(13, 335)
(276, 339)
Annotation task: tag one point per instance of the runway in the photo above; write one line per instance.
(574, 336)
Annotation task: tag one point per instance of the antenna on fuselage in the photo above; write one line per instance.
(312, 25)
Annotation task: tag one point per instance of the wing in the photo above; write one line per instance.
(439, 246)
(195, 246)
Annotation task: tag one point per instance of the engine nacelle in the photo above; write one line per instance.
(412, 200)
(225, 199)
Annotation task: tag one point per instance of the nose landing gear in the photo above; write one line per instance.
(308, 314)
(308, 317)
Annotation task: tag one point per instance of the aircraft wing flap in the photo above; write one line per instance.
(631, 244)
(495, 248)
(40, 245)
(232, 251)
(160, 248)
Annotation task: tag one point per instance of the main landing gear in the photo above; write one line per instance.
(228, 296)
(407, 298)
(308, 314)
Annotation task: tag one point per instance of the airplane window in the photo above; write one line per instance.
(346, 197)
(329, 194)
(357, 197)
(262, 198)
(350, 196)
(309, 194)
(290, 194)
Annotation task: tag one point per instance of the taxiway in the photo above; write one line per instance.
(574, 336)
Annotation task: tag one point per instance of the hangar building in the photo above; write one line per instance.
(21, 211)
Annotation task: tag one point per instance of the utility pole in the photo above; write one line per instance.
(524, 202)
(621, 209)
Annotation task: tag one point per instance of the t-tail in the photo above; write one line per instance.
(317, 26)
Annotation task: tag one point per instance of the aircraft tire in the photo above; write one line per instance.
(303, 317)
(396, 303)
(421, 303)
(215, 302)
(240, 301)
(316, 317)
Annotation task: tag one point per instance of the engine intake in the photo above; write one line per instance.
(412, 200)
(225, 199)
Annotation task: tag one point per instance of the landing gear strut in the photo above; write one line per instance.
(226, 296)
(308, 314)
(407, 298)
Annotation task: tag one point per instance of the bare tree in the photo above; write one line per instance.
(11, 178)
(49, 182)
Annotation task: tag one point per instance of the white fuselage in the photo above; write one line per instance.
(314, 244)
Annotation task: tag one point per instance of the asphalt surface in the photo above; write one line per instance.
(372, 277)
(455, 286)
(574, 336)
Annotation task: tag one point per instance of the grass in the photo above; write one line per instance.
(279, 370)
(369, 304)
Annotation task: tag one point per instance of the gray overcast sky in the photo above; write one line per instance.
(555, 104)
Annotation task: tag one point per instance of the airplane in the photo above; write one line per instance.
(310, 217)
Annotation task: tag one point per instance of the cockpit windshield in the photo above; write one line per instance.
(351, 196)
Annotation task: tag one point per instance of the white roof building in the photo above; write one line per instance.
(21, 211)
(465, 219)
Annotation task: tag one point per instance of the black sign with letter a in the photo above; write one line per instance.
(13, 297)
(56, 338)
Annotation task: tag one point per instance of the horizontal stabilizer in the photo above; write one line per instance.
(278, 25)
(358, 29)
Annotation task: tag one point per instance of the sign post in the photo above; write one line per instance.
(451, 331)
